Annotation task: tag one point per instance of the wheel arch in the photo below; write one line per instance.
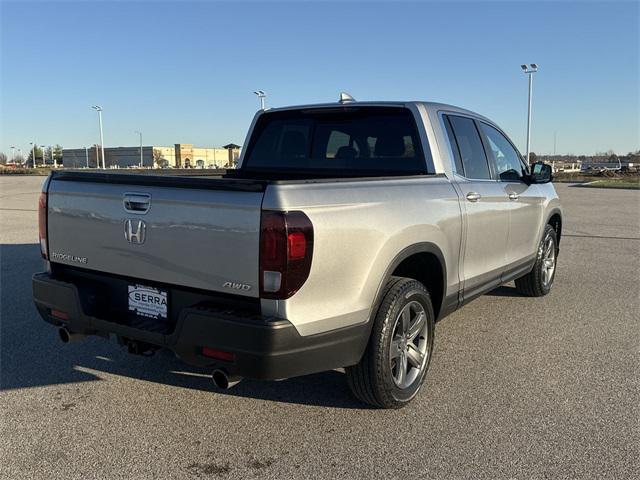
(554, 218)
(419, 261)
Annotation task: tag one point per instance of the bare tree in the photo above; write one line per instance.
(159, 160)
(47, 158)
(3, 158)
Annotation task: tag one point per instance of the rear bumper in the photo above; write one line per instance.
(263, 347)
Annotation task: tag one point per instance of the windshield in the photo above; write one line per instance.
(343, 140)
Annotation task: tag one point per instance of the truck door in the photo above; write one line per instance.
(525, 202)
(484, 200)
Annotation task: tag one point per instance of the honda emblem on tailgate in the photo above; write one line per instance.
(135, 231)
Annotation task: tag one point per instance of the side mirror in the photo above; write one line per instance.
(541, 173)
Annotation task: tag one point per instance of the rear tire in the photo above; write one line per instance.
(397, 356)
(539, 280)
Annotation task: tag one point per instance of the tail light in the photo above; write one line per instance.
(59, 314)
(218, 354)
(286, 248)
(42, 225)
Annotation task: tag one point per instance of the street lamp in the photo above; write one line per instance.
(98, 109)
(261, 95)
(529, 70)
(86, 152)
(13, 154)
(140, 133)
(33, 153)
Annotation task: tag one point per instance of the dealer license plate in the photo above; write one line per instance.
(148, 301)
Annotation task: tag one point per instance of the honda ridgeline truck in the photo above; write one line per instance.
(346, 231)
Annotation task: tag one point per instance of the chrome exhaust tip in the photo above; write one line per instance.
(67, 337)
(222, 380)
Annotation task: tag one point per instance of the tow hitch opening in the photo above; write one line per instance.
(136, 347)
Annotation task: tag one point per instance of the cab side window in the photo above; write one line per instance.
(468, 148)
(505, 157)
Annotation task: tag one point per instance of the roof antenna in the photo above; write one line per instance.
(346, 98)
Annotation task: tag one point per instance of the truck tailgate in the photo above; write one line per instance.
(196, 234)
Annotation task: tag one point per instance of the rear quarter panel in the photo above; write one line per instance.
(359, 228)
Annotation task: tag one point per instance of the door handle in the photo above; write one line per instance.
(137, 202)
(513, 196)
(473, 196)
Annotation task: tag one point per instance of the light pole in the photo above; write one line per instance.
(529, 70)
(98, 109)
(13, 154)
(86, 153)
(140, 133)
(33, 153)
(261, 95)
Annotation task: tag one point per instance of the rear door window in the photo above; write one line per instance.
(469, 148)
(341, 145)
(334, 142)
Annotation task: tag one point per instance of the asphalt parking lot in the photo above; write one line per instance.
(518, 387)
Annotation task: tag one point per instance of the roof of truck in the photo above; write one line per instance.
(428, 105)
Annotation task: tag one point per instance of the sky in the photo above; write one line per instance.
(184, 72)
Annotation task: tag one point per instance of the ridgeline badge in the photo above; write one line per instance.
(65, 257)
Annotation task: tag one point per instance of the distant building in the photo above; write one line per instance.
(122, 157)
(185, 155)
(181, 155)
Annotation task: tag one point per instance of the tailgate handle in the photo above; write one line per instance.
(139, 203)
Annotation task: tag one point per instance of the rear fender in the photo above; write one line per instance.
(422, 247)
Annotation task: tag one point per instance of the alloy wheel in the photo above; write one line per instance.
(548, 261)
(409, 345)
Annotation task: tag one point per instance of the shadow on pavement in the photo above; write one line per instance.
(504, 291)
(31, 354)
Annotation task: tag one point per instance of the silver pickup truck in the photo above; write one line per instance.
(348, 229)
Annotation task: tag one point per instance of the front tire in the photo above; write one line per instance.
(397, 356)
(539, 280)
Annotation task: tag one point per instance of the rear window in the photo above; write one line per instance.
(469, 147)
(343, 141)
